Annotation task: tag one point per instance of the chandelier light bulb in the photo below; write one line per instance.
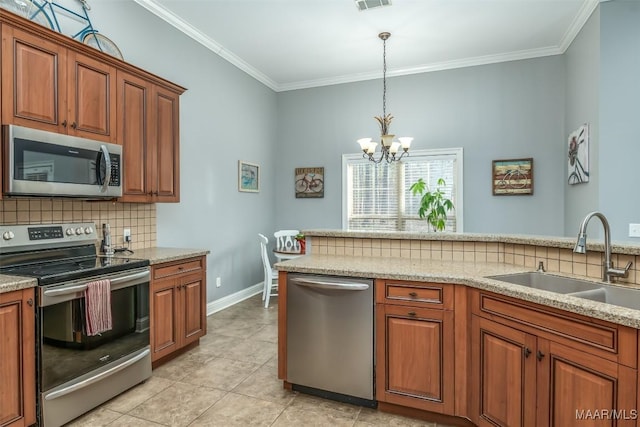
(405, 141)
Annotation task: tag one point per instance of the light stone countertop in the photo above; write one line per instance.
(519, 239)
(464, 273)
(154, 255)
(158, 255)
(15, 283)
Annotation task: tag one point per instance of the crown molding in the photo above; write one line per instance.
(163, 13)
(440, 66)
(177, 22)
(578, 22)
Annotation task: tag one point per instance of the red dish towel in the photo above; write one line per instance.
(98, 307)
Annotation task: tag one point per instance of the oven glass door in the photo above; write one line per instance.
(67, 352)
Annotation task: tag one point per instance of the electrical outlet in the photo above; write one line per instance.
(634, 230)
(218, 282)
(127, 235)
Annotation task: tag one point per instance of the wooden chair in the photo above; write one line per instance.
(270, 274)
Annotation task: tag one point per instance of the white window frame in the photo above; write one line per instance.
(437, 152)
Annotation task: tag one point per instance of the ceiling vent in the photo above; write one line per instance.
(371, 4)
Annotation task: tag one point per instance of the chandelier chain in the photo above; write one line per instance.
(384, 78)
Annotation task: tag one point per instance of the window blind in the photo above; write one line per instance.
(379, 197)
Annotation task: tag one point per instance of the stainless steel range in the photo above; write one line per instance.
(78, 370)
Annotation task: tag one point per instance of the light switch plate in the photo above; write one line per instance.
(634, 230)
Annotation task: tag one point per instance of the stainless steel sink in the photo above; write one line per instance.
(610, 294)
(547, 282)
(616, 295)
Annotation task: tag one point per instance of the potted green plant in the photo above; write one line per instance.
(433, 204)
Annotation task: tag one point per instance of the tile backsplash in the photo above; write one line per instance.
(139, 217)
(554, 259)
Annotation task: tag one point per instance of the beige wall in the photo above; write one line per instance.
(139, 217)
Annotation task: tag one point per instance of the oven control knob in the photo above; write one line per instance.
(8, 235)
(79, 231)
(69, 231)
(88, 230)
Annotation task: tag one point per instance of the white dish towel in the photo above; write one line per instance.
(98, 307)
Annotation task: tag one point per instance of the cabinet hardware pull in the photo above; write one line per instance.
(540, 355)
(64, 123)
(412, 313)
(413, 294)
(74, 125)
(30, 302)
(527, 352)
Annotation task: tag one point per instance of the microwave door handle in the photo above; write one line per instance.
(107, 168)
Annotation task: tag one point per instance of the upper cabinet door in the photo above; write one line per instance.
(91, 98)
(33, 81)
(49, 87)
(166, 134)
(134, 108)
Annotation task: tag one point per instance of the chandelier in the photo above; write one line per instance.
(388, 147)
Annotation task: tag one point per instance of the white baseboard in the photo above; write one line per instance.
(229, 300)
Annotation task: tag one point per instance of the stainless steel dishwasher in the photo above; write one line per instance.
(330, 334)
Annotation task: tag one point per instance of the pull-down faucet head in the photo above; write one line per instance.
(581, 244)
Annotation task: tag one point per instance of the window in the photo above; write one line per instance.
(377, 196)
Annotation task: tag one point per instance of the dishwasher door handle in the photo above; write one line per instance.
(338, 286)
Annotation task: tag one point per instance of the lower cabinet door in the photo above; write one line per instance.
(194, 315)
(164, 305)
(17, 359)
(415, 361)
(577, 388)
(503, 375)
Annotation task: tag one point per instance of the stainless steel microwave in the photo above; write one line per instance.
(41, 163)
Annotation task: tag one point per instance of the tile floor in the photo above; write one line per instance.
(230, 380)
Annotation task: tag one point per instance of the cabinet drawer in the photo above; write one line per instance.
(180, 267)
(419, 294)
(611, 341)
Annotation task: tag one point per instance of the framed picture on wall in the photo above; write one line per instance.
(248, 177)
(578, 158)
(512, 177)
(309, 183)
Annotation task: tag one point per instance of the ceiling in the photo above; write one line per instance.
(294, 44)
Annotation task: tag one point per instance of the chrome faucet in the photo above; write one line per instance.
(608, 270)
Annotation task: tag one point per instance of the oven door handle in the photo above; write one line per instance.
(116, 283)
(99, 377)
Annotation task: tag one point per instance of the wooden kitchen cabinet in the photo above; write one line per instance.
(544, 368)
(178, 305)
(415, 345)
(148, 118)
(17, 358)
(50, 87)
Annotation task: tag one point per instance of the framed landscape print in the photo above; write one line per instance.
(248, 177)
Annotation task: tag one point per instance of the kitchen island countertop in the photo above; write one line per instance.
(472, 274)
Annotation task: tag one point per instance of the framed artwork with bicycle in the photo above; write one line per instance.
(512, 177)
(309, 183)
